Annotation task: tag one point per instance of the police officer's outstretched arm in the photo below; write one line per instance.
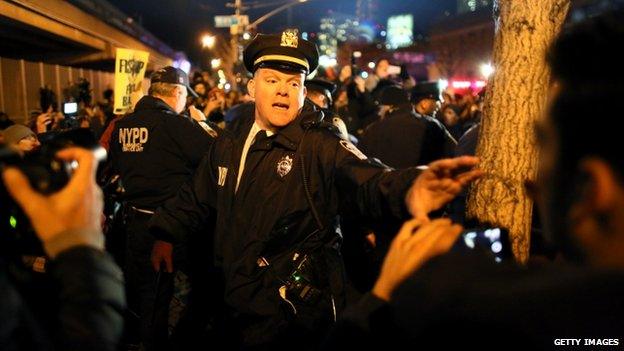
(91, 297)
(400, 193)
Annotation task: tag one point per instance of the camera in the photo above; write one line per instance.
(70, 108)
(491, 240)
(46, 174)
(72, 117)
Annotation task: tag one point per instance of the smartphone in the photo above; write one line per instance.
(70, 108)
(394, 70)
(493, 241)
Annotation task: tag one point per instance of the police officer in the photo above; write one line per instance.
(155, 150)
(402, 138)
(319, 92)
(425, 98)
(277, 189)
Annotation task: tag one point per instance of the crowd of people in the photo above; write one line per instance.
(309, 213)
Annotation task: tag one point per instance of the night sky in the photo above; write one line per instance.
(179, 23)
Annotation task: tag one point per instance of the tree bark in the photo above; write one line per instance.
(515, 99)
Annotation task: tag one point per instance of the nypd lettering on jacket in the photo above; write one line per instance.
(133, 139)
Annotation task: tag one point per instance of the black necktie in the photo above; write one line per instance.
(260, 140)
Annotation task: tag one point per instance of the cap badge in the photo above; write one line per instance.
(290, 38)
(181, 80)
(284, 166)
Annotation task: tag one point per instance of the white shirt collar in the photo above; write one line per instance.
(255, 128)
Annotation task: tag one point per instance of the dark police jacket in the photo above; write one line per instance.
(406, 139)
(268, 222)
(155, 150)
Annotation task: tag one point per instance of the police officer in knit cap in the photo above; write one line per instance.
(277, 187)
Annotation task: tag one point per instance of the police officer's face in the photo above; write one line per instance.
(428, 106)
(318, 99)
(181, 93)
(279, 96)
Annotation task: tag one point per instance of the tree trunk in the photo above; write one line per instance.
(515, 99)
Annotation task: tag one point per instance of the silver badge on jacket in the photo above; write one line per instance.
(284, 166)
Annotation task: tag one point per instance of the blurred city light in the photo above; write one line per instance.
(487, 69)
(364, 74)
(182, 64)
(246, 36)
(460, 84)
(371, 65)
(215, 63)
(326, 61)
(467, 84)
(208, 41)
(442, 84)
(400, 31)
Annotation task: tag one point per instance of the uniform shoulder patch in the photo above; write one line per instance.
(353, 149)
(211, 131)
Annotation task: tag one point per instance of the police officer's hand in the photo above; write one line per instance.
(416, 243)
(440, 183)
(196, 114)
(69, 217)
(162, 251)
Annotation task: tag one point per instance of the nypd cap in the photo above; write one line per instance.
(425, 90)
(321, 85)
(172, 75)
(285, 51)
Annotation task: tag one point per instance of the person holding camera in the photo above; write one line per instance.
(277, 188)
(463, 300)
(90, 298)
(381, 73)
